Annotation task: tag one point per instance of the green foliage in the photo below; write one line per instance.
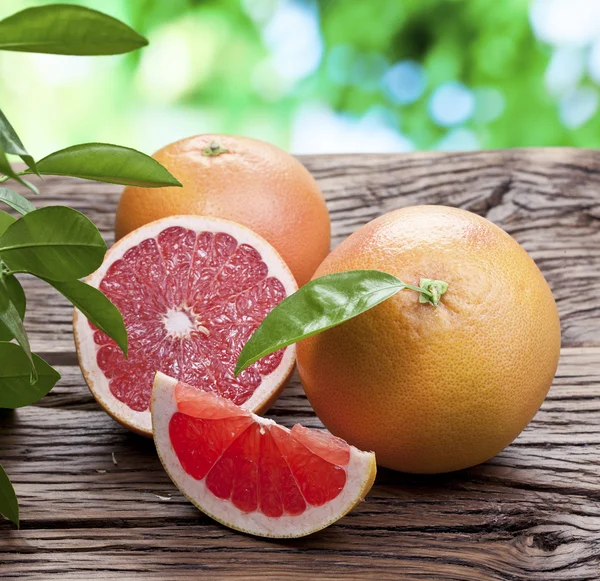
(15, 380)
(96, 307)
(323, 303)
(9, 506)
(56, 243)
(16, 201)
(211, 69)
(8, 171)
(12, 302)
(103, 162)
(16, 295)
(480, 44)
(12, 322)
(6, 220)
(65, 29)
(10, 142)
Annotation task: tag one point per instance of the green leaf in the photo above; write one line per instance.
(16, 201)
(104, 162)
(5, 221)
(67, 29)
(319, 305)
(7, 170)
(97, 308)
(16, 296)
(56, 243)
(10, 142)
(13, 322)
(9, 506)
(16, 389)
(10, 290)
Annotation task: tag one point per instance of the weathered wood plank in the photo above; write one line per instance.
(531, 513)
(549, 200)
(534, 552)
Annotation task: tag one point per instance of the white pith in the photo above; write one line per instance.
(359, 472)
(84, 336)
(179, 323)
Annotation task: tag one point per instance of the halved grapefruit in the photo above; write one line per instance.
(250, 473)
(191, 290)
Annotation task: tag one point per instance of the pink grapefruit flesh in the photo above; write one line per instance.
(250, 473)
(191, 290)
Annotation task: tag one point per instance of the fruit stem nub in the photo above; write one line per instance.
(214, 149)
(434, 290)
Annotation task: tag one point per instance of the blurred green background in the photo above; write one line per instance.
(322, 76)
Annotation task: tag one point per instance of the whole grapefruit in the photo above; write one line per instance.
(436, 388)
(244, 180)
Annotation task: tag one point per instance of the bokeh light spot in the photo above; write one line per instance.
(294, 38)
(368, 70)
(405, 82)
(318, 129)
(459, 139)
(489, 104)
(339, 64)
(594, 62)
(175, 61)
(566, 22)
(564, 70)
(578, 107)
(451, 103)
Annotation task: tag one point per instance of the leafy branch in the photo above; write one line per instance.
(57, 244)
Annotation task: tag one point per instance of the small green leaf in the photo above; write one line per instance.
(16, 201)
(7, 170)
(103, 162)
(97, 308)
(11, 319)
(16, 389)
(9, 140)
(5, 221)
(17, 298)
(9, 506)
(56, 243)
(67, 29)
(319, 305)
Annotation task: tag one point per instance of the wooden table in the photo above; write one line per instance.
(96, 504)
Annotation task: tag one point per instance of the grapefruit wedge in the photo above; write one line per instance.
(249, 473)
(191, 290)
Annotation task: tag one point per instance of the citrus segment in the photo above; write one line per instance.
(191, 291)
(251, 473)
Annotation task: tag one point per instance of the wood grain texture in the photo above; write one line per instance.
(531, 513)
